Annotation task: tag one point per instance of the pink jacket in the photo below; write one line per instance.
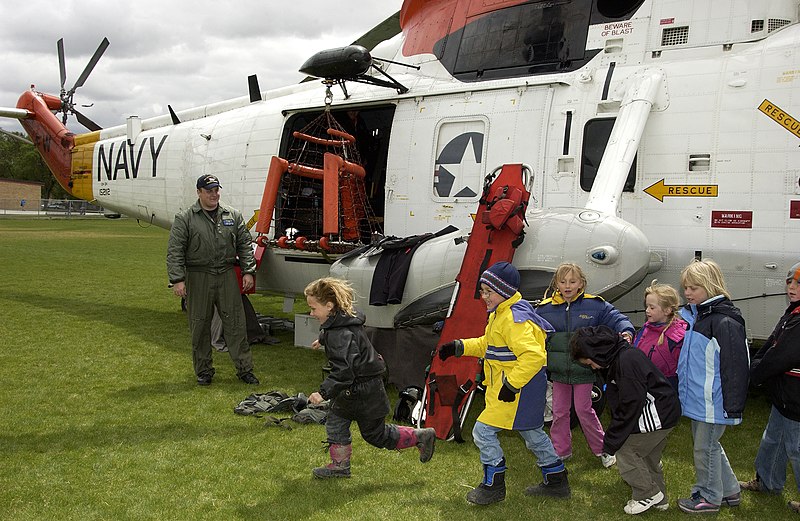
(664, 356)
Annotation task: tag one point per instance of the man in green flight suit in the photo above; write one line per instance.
(205, 242)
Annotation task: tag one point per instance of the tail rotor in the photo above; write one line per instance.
(67, 102)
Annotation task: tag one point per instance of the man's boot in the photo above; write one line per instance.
(339, 467)
(554, 482)
(493, 487)
(423, 439)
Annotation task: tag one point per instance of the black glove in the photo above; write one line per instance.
(447, 349)
(506, 394)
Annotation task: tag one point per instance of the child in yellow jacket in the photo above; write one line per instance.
(513, 349)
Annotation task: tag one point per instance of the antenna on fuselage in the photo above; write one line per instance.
(252, 84)
(175, 120)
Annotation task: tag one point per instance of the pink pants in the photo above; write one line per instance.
(560, 433)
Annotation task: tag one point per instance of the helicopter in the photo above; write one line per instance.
(651, 133)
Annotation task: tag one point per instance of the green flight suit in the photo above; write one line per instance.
(202, 253)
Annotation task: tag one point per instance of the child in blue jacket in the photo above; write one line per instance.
(567, 310)
(713, 375)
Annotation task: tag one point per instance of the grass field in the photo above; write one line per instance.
(102, 419)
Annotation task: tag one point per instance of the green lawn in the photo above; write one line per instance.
(102, 419)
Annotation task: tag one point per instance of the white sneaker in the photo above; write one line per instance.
(635, 506)
(607, 460)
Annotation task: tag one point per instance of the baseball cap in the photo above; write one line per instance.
(208, 181)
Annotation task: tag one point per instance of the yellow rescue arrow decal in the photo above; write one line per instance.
(253, 219)
(660, 190)
(779, 116)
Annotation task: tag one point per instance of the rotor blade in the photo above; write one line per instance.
(61, 65)
(381, 32)
(86, 122)
(16, 136)
(89, 66)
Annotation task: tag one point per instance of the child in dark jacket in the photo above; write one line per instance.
(644, 410)
(776, 369)
(567, 310)
(354, 385)
(661, 337)
(713, 374)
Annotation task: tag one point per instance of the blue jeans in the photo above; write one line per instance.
(537, 441)
(715, 477)
(779, 445)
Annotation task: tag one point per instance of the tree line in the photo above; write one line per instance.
(21, 161)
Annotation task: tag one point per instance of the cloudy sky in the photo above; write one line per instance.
(179, 52)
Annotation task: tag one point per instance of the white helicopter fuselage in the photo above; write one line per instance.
(713, 140)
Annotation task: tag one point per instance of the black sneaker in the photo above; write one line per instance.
(204, 379)
(248, 378)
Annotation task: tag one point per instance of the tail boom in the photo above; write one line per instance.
(51, 138)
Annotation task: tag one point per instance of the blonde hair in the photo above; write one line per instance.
(667, 298)
(705, 274)
(561, 272)
(337, 291)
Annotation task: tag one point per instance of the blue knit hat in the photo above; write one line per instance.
(502, 277)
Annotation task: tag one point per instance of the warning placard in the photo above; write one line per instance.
(731, 219)
(794, 209)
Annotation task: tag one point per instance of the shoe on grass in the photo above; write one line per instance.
(249, 378)
(754, 485)
(637, 506)
(607, 460)
(697, 504)
(426, 443)
(732, 501)
(664, 505)
(794, 506)
(204, 379)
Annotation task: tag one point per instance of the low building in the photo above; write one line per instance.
(20, 195)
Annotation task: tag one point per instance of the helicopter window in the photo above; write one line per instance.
(617, 8)
(458, 170)
(530, 35)
(596, 133)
